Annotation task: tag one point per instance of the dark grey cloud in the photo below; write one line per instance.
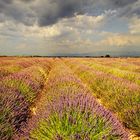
(54, 10)
(124, 8)
(122, 3)
(51, 11)
(48, 12)
(17, 11)
(27, 1)
(6, 1)
(130, 9)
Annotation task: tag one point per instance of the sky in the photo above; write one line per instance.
(70, 27)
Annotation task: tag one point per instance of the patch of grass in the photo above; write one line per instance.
(23, 88)
(118, 96)
(73, 125)
(131, 76)
(14, 111)
(131, 119)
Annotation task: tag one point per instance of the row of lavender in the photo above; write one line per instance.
(120, 95)
(130, 64)
(18, 90)
(4, 61)
(71, 112)
(124, 72)
(14, 65)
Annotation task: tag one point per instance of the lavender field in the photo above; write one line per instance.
(69, 98)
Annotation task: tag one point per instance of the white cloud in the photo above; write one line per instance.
(120, 40)
(134, 25)
(74, 25)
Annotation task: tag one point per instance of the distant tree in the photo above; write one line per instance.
(107, 56)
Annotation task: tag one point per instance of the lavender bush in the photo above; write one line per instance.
(121, 94)
(14, 112)
(131, 119)
(28, 82)
(78, 117)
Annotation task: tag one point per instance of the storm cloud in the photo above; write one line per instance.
(122, 3)
(48, 12)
